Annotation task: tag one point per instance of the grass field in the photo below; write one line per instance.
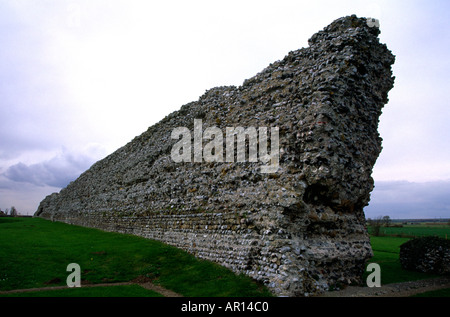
(386, 253)
(441, 230)
(386, 249)
(35, 253)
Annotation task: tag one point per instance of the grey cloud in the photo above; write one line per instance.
(56, 172)
(401, 199)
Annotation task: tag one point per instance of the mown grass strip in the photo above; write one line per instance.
(35, 253)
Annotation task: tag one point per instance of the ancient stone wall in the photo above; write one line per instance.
(300, 229)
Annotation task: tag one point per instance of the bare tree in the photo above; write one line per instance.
(386, 221)
(375, 224)
(13, 212)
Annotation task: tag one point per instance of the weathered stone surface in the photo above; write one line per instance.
(299, 230)
(426, 254)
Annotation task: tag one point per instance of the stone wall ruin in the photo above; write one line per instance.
(299, 230)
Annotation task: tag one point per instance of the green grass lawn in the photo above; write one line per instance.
(35, 253)
(418, 230)
(386, 253)
(386, 249)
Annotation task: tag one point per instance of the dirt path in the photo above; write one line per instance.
(393, 290)
(163, 291)
(389, 290)
(145, 284)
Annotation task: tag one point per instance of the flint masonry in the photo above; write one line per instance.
(299, 230)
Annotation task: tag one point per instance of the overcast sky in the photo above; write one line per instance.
(81, 78)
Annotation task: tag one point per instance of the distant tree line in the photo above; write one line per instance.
(377, 223)
(12, 212)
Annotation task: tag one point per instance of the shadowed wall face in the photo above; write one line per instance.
(300, 227)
